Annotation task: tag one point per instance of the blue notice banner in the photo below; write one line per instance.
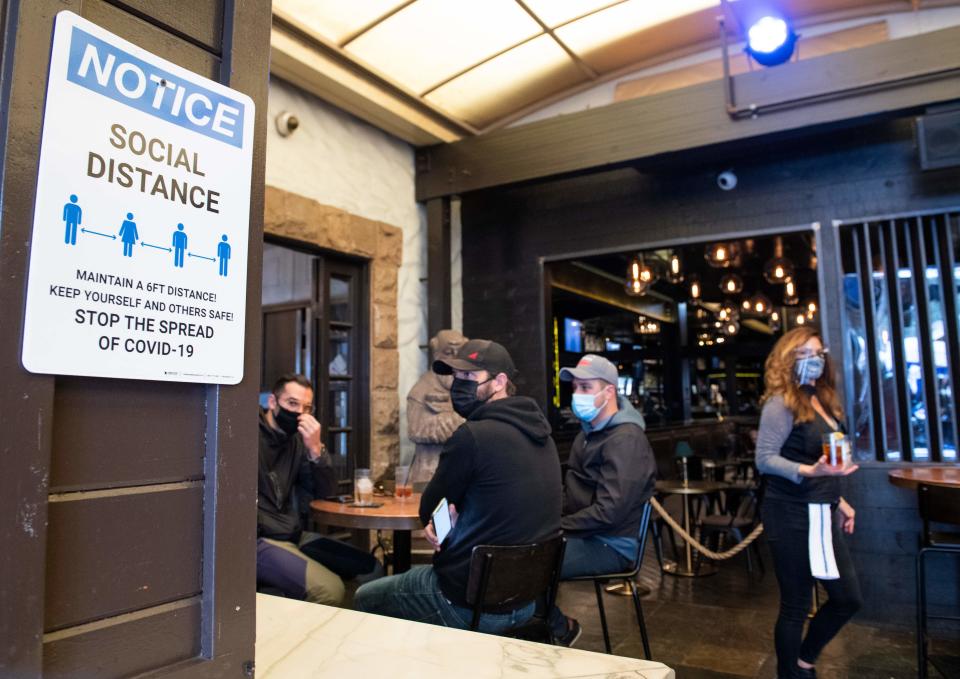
(110, 71)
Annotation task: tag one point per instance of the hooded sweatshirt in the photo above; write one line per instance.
(501, 470)
(286, 472)
(611, 475)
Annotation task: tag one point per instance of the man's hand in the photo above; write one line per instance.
(848, 513)
(821, 468)
(431, 534)
(309, 429)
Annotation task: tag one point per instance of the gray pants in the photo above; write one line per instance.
(281, 565)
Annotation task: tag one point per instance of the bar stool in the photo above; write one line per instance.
(628, 578)
(938, 504)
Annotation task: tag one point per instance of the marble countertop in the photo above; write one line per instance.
(296, 639)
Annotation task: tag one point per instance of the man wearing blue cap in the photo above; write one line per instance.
(610, 477)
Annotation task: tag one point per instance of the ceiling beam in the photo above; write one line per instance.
(315, 66)
(884, 79)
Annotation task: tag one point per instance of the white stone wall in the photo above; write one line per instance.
(341, 161)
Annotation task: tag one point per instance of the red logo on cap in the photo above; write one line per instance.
(473, 356)
(586, 361)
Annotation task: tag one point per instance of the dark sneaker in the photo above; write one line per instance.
(805, 673)
(573, 633)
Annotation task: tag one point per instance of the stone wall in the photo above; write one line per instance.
(298, 218)
(342, 162)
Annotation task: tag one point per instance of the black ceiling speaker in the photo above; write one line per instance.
(938, 136)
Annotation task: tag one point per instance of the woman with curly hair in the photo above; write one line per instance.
(803, 512)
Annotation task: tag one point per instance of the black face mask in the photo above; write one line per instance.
(463, 394)
(287, 420)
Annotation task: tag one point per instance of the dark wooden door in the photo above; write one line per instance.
(127, 508)
(314, 323)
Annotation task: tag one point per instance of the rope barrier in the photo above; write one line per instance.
(709, 553)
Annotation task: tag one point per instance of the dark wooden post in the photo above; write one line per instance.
(127, 508)
(438, 265)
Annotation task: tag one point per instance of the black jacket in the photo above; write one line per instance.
(287, 478)
(501, 470)
(611, 475)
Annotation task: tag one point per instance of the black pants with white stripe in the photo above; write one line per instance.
(785, 528)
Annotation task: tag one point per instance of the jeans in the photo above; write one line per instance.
(785, 526)
(415, 595)
(585, 556)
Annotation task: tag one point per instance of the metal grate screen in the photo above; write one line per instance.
(899, 311)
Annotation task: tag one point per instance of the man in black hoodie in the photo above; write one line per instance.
(500, 473)
(294, 468)
(611, 475)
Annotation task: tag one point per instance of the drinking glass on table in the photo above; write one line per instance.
(362, 488)
(403, 488)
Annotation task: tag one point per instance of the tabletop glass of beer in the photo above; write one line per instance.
(362, 488)
(835, 449)
(403, 488)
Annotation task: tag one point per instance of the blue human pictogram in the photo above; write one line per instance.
(72, 215)
(223, 252)
(179, 246)
(128, 234)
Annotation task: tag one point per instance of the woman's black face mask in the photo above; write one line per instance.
(463, 394)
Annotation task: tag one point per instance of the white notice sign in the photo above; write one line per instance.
(138, 263)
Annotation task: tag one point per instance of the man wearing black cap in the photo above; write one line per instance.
(500, 474)
(610, 477)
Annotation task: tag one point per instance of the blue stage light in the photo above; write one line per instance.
(771, 41)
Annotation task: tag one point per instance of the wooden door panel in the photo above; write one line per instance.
(91, 448)
(112, 555)
(124, 648)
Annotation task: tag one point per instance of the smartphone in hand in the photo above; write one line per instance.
(441, 520)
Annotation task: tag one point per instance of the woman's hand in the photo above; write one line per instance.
(821, 468)
(848, 513)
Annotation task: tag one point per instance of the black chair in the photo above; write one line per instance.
(628, 578)
(740, 519)
(938, 504)
(504, 578)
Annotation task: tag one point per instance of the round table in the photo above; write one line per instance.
(911, 477)
(685, 490)
(400, 516)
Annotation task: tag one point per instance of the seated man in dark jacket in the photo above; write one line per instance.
(501, 475)
(611, 474)
(295, 468)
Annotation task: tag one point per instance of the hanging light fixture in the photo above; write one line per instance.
(731, 284)
(801, 319)
(778, 269)
(648, 326)
(790, 296)
(695, 289)
(811, 309)
(760, 304)
(723, 254)
(635, 284)
(727, 312)
(775, 321)
(745, 304)
(675, 269)
(647, 274)
(730, 329)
